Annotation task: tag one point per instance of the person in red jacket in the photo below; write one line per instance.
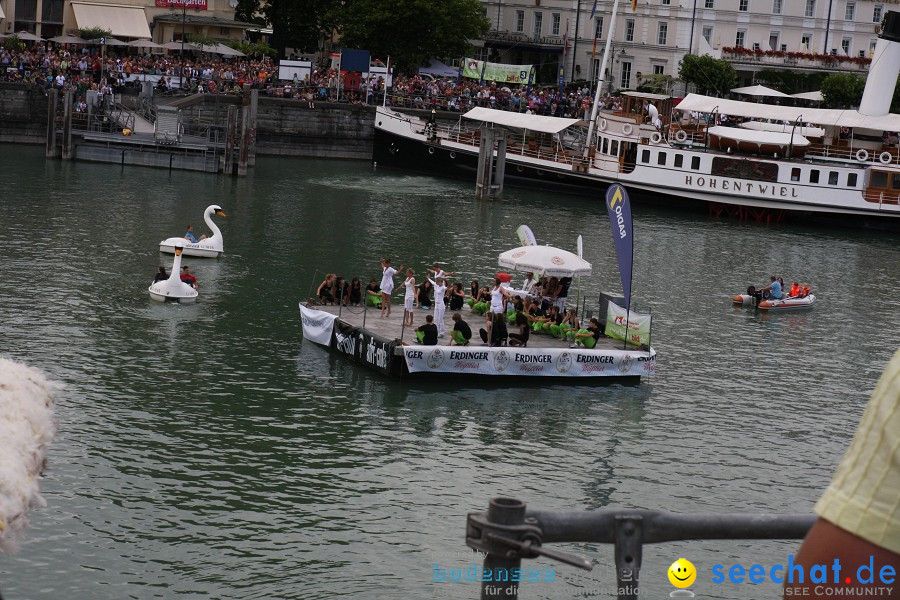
(187, 277)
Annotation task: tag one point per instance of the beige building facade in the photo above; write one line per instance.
(161, 20)
(837, 35)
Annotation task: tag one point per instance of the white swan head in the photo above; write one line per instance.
(215, 209)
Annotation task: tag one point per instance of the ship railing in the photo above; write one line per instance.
(864, 156)
(507, 533)
(472, 137)
(690, 137)
(882, 197)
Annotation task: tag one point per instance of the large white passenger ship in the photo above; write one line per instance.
(837, 162)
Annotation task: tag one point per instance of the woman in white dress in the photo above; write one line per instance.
(387, 285)
(499, 296)
(410, 299)
(440, 290)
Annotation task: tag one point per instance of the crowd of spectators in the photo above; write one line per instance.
(83, 68)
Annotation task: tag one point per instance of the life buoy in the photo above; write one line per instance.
(862, 155)
(520, 168)
(655, 137)
(626, 128)
(602, 125)
(453, 155)
(681, 135)
(539, 172)
(885, 158)
(431, 150)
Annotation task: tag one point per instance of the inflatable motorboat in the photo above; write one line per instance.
(788, 303)
(174, 289)
(744, 300)
(210, 247)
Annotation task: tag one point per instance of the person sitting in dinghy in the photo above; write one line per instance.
(771, 291)
(189, 235)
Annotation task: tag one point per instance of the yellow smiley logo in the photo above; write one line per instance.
(682, 573)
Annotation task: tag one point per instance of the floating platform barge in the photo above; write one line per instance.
(362, 335)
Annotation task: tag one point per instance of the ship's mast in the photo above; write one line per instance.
(882, 78)
(601, 78)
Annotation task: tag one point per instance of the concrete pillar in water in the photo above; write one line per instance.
(244, 150)
(485, 164)
(67, 153)
(52, 102)
(230, 124)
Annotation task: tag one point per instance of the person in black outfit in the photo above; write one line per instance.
(342, 291)
(427, 334)
(326, 289)
(424, 294)
(457, 297)
(461, 333)
(521, 338)
(498, 331)
(161, 274)
(355, 291)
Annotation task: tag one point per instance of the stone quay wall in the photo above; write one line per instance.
(285, 127)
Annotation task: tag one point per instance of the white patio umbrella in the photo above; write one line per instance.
(173, 45)
(144, 44)
(545, 260)
(110, 41)
(814, 96)
(225, 50)
(759, 90)
(68, 39)
(29, 37)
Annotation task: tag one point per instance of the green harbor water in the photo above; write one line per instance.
(207, 451)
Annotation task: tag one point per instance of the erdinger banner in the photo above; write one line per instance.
(317, 325)
(533, 362)
(638, 325)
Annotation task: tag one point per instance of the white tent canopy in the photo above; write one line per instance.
(819, 116)
(67, 39)
(438, 69)
(814, 96)
(753, 136)
(545, 260)
(144, 44)
(759, 90)
(783, 128)
(520, 120)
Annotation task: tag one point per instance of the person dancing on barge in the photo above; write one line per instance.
(387, 286)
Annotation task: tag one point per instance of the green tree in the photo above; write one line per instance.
(656, 83)
(842, 90)
(709, 75)
(411, 31)
(93, 33)
(297, 24)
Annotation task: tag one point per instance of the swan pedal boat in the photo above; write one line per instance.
(211, 247)
(174, 289)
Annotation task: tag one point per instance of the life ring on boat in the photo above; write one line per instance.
(862, 155)
(431, 150)
(520, 168)
(681, 135)
(540, 172)
(655, 138)
(626, 128)
(602, 125)
(453, 155)
(885, 158)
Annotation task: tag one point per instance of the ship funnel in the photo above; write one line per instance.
(883, 71)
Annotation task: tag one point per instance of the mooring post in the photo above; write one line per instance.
(244, 150)
(497, 188)
(52, 102)
(485, 164)
(230, 123)
(67, 126)
(254, 106)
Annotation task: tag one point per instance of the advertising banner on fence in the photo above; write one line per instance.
(531, 362)
(363, 347)
(638, 325)
(317, 325)
(488, 71)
